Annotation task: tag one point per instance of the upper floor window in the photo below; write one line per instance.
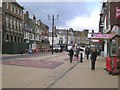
(17, 25)
(6, 21)
(21, 13)
(11, 7)
(25, 25)
(11, 23)
(14, 24)
(6, 5)
(14, 9)
(18, 11)
(20, 26)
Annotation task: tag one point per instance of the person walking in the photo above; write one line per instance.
(77, 53)
(93, 58)
(87, 52)
(71, 53)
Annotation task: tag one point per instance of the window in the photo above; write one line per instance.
(11, 7)
(21, 39)
(17, 25)
(18, 11)
(113, 49)
(18, 39)
(20, 26)
(14, 24)
(21, 13)
(14, 9)
(7, 38)
(71, 42)
(15, 38)
(6, 5)
(25, 25)
(7, 21)
(11, 23)
(11, 38)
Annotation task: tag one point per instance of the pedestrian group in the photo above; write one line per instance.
(92, 53)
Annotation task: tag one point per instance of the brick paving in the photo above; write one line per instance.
(33, 63)
(82, 77)
(65, 75)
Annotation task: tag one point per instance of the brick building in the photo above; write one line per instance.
(12, 28)
(109, 24)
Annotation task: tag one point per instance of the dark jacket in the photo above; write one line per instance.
(93, 56)
(71, 52)
(87, 51)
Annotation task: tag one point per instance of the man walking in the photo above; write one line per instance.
(93, 58)
(71, 53)
(87, 52)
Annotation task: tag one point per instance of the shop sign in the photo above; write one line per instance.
(100, 36)
(117, 12)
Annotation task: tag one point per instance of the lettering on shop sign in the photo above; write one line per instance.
(103, 35)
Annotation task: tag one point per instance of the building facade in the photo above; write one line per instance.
(12, 29)
(0, 29)
(109, 20)
(35, 32)
(69, 36)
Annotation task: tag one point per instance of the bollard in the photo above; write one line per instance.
(81, 57)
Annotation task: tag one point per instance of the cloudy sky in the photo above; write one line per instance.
(77, 15)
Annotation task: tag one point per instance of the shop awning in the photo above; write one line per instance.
(100, 36)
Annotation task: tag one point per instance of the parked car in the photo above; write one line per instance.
(57, 48)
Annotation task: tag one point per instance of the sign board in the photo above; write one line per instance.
(117, 12)
(100, 36)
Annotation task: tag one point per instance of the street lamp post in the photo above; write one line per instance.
(52, 28)
(67, 40)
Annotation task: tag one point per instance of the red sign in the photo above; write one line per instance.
(117, 12)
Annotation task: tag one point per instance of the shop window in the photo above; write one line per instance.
(113, 49)
(18, 39)
(15, 38)
(7, 38)
(11, 38)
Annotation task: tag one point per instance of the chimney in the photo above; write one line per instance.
(34, 18)
(26, 16)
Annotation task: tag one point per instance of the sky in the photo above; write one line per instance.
(78, 15)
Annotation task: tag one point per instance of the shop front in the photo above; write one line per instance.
(111, 49)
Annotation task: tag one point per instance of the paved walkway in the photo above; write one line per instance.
(82, 77)
(66, 75)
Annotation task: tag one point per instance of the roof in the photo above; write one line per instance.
(30, 25)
